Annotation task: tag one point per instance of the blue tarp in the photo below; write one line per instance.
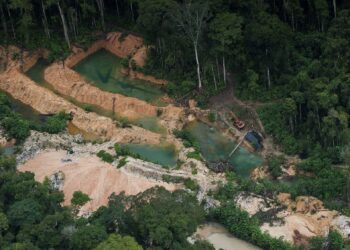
(254, 139)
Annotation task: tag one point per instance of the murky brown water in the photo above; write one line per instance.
(217, 235)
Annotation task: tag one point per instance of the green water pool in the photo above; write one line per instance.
(103, 69)
(164, 155)
(215, 147)
(36, 73)
(25, 111)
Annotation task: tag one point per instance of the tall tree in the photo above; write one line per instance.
(25, 8)
(64, 22)
(190, 17)
(226, 31)
(101, 8)
(335, 8)
(117, 242)
(3, 18)
(44, 19)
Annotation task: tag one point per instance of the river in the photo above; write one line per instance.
(217, 235)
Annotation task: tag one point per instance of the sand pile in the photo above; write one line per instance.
(89, 175)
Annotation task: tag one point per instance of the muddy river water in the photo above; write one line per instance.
(220, 238)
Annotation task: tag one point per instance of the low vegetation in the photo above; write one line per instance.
(122, 162)
(17, 127)
(56, 123)
(105, 156)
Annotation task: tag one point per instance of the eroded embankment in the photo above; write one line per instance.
(295, 220)
(69, 83)
(44, 101)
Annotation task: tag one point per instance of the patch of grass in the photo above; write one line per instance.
(88, 107)
(194, 155)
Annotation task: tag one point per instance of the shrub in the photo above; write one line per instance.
(88, 107)
(122, 162)
(125, 151)
(212, 117)
(133, 64)
(159, 112)
(16, 127)
(191, 184)
(124, 122)
(335, 240)
(275, 166)
(125, 62)
(194, 155)
(186, 136)
(57, 123)
(121, 151)
(180, 89)
(79, 199)
(105, 156)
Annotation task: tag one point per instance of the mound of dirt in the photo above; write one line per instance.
(89, 175)
(70, 83)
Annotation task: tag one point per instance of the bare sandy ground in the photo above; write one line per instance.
(89, 175)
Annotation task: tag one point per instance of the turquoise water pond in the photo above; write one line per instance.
(36, 73)
(25, 111)
(103, 69)
(164, 155)
(216, 147)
